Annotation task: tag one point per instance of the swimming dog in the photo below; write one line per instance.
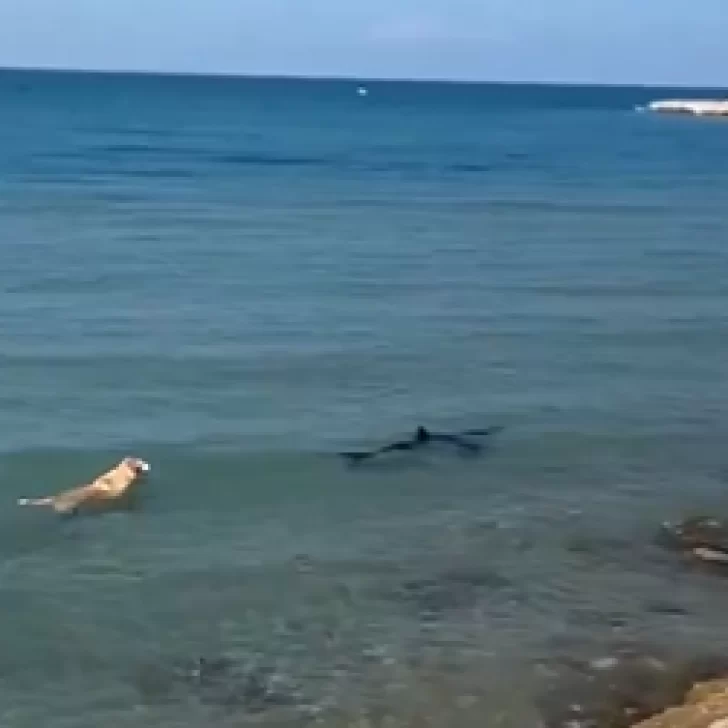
(106, 489)
(423, 437)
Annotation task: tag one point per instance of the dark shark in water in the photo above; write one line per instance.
(461, 441)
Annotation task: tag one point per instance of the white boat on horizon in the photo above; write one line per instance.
(694, 107)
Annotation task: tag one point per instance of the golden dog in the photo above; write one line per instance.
(108, 488)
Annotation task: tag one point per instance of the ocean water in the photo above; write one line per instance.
(237, 278)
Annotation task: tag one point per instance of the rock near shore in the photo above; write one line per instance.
(706, 706)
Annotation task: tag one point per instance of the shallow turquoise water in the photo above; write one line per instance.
(234, 279)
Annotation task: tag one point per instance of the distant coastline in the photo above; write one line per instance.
(232, 75)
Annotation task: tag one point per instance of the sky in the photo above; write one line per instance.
(669, 42)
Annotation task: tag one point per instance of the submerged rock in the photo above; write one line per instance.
(700, 538)
(218, 681)
(621, 688)
(664, 607)
(608, 692)
(451, 590)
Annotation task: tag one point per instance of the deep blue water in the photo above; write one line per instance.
(234, 278)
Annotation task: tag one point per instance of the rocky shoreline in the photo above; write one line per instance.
(610, 677)
(702, 541)
(706, 706)
(642, 686)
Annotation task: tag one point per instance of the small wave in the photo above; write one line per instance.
(133, 149)
(401, 166)
(106, 159)
(92, 176)
(51, 284)
(146, 151)
(99, 151)
(154, 173)
(270, 160)
(574, 206)
(470, 168)
(162, 133)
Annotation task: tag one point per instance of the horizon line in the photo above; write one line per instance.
(352, 78)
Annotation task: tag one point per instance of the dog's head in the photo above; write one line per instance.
(136, 465)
